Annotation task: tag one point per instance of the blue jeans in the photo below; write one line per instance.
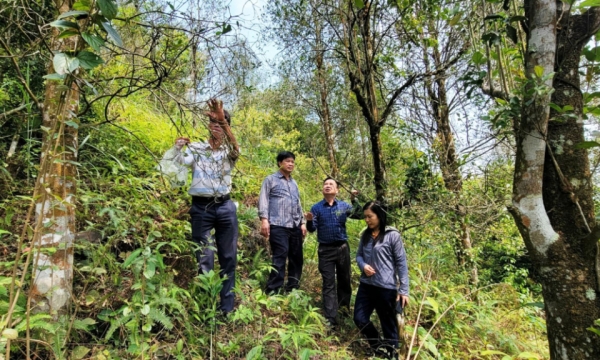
(286, 244)
(223, 218)
(383, 301)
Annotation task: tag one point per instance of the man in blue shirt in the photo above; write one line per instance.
(328, 217)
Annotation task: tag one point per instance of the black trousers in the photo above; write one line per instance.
(223, 218)
(334, 262)
(383, 301)
(286, 244)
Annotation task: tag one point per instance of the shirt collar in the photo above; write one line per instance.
(325, 203)
(280, 175)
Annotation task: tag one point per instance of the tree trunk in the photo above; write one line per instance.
(552, 197)
(446, 151)
(55, 209)
(324, 113)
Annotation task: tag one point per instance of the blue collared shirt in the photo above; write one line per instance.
(279, 201)
(330, 220)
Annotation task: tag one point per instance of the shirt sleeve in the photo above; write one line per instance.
(311, 225)
(182, 157)
(356, 211)
(263, 199)
(359, 255)
(400, 264)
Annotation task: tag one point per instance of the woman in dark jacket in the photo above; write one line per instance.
(383, 282)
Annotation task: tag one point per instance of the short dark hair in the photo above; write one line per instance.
(337, 183)
(377, 208)
(227, 116)
(282, 155)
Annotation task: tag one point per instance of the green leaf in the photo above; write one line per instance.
(359, 4)
(55, 77)
(64, 63)
(109, 8)
(150, 270)
(72, 124)
(539, 71)
(587, 145)
(589, 3)
(79, 352)
(145, 309)
(93, 40)
(434, 304)
(478, 58)
(63, 24)
(528, 355)
(132, 257)
(75, 14)
(112, 34)
(492, 352)
(68, 33)
(456, 19)
(89, 60)
(82, 5)
(4, 232)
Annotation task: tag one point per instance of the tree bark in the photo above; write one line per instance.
(55, 207)
(552, 197)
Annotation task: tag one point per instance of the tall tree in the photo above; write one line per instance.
(305, 39)
(552, 202)
(441, 45)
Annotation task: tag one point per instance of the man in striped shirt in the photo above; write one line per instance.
(328, 217)
(212, 208)
(282, 222)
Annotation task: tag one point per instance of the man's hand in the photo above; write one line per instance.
(369, 271)
(180, 141)
(308, 216)
(353, 194)
(216, 111)
(303, 229)
(265, 228)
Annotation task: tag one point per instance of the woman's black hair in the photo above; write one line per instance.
(375, 206)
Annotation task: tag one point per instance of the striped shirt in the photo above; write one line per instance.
(211, 169)
(279, 201)
(330, 220)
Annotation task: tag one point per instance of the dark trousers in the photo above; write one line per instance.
(334, 261)
(286, 244)
(223, 218)
(383, 301)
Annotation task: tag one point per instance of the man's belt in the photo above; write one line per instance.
(210, 199)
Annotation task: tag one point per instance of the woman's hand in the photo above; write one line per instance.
(369, 271)
(402, 298)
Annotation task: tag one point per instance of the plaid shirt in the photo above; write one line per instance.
(211, 169)
(279, 201)
(330, 220)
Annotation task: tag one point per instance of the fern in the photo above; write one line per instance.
(37, 321)
(159, 316)
(115, 324)
(167, 301)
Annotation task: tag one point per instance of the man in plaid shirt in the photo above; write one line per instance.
(329, 217)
